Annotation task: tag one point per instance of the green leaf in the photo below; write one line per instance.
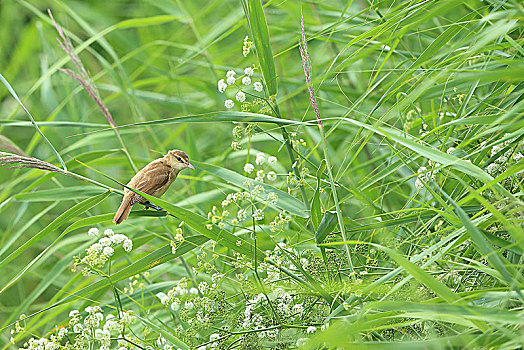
(326, 226)
(316, 210)
(226, 116)
(260, 33)
(285, 201)
(60, 194)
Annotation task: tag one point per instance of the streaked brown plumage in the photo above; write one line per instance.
(154, 179)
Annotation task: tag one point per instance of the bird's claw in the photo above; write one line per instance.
(156, 207)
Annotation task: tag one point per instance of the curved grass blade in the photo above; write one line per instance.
(62, 194)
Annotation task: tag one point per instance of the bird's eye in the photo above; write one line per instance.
(178, 158)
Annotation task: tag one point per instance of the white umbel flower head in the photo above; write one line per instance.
(258, 86)
(222, 85)
(246, 80)
(248, 71)
(272, 159)
(271, 176)
(260, 158)
(127, 245)
(93, 231)
(108, 251)
(231, 80)
(240, 96)
(311, 329)
(229, 104)
(230, 73)
(248, 168)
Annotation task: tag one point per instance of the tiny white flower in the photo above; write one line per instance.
(108, 251)
(271, 176)
(248, 168)
(127, 245)
(74, 313)
(246, 80)
(258, 214)
(419, 184)
(311, 329)
(230, 73)
(272, 159)
(108, 232)
(242, 215)
(229, 104)
(222, 85)
(231, 80)
(104, 241)
(193, 291)
(240, 96)
(258, 86)
(248, 71)
(164, 300)
(93, 231)
(188, 305)
(118, 238)
(214, 336)
(450, 150)
(260, 176)
(272, 197)
(260, 158)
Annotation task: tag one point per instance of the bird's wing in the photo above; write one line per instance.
(154, 176)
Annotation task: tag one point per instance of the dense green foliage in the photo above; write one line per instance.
(364, 189)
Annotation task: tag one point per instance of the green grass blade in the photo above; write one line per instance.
(260, 33)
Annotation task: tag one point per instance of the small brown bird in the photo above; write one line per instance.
(154, 179)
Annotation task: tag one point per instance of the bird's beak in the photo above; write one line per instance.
(190, 166)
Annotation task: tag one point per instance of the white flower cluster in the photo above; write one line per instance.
(179, 296)
(424, 175)
(247, 45)
(260, 160)
(246, 80)
(230, 80)
(83, 332)
(178, 240)
(99, 253)
(279, 222)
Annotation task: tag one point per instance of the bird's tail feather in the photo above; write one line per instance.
(123, 212)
